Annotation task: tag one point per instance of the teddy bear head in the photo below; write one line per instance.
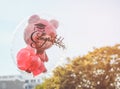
(40, 33)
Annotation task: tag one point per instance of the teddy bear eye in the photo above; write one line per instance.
(40, 26)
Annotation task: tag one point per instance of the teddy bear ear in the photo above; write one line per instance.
(55, 23)
(33, 19)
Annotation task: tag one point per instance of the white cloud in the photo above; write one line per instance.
(84, 23)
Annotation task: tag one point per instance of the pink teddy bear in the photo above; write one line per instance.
(39, 35)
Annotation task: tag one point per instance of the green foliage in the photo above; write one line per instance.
(99, 69)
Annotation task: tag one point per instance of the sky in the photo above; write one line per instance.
(84, 24)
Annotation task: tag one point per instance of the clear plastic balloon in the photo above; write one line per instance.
(56, 52)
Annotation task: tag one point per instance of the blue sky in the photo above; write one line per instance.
(83, 23)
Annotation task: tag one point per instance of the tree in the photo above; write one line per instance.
(99, 69)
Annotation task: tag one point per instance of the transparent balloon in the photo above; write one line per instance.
(56, 54)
